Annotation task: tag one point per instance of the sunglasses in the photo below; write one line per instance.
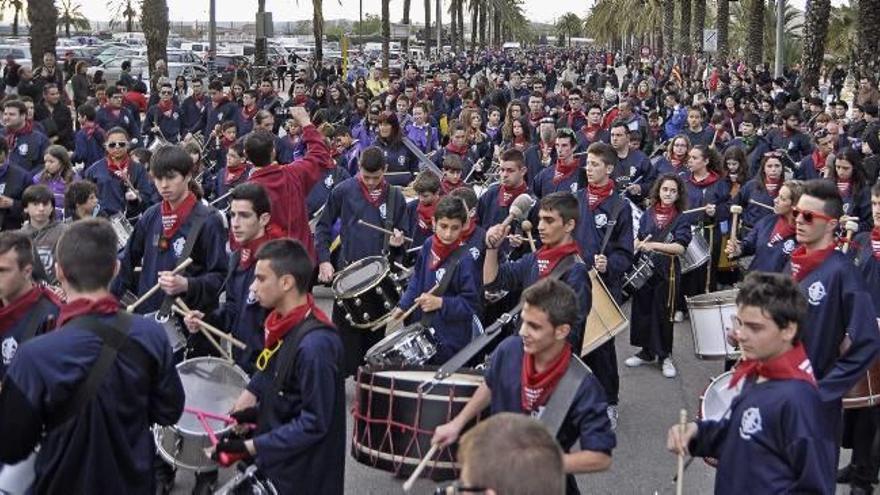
(810, 216)
(119, 144)
(164, 92)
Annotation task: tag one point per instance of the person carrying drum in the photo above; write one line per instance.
(633, 172)
(91, 439)
(864, 423)
(370, 198)
(776, 439)
(525, 373)
(605, 236)
(558, 217)
(297, 399)
(447, 306)
(664, 234)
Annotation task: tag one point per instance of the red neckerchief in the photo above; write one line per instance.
(803, 262)
(447, 187)
(663, 215)
(277, 326)
(590, 131)
(520, 142)
(173, 218)
(165, 107)
(875, 242)
(772, 186)
(13, 312)
(235, 173)
(790, 365)
(549, 257)
(461, 151)
(537, 387)
(107, 305)
(534, 118)
(91, 128)
(217, 101)
(707, 181)
(597, 194)
(248, 112)
(564, 170)
(374, 197)
(225, 142)
(300, 100)
(818, 160)
(782, 230)
(440, 251)
(120, 168)
(468, 231)
(572, 115)
(506, 196)
(103, 101)
(12, 135)
(248, 250)
(676, 161)
(113, 111)
(200, 102)
(844, 187)
(426, 216)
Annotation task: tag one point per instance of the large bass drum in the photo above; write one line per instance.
(367, 290)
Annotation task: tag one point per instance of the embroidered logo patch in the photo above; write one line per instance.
(328, 182)
(475, 253)
(574, 187)
(751, 423)
(23, 149)
(383, 211)
(439, 274)
(788, 246)
(601, 220)
(816, 292)
(178, 246)
(252, 298)
(8, 349)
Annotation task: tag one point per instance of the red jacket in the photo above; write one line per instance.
(289, 185)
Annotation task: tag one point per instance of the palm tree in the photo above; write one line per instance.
(71, 15)
(17, 6)
(405, 20)
(722, 24)
(698, 24)
(459, 12)
(154, 22)
(740, 38)
(569, 26)
(869, 38)
(318, 30)
(428, 28)
(815, 33)
(123, 10)
(755, 23)
(685, 28)
(843, 31)
(43, 18)
(669, 26)
(386, 35)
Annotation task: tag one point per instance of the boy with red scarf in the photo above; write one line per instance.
(163, 120)
(450, 314)
(236, 170)
(299, 443)
(249, 109)
(289, 185)
(813, 165)
(27, 309)
(26, 145)
(88, 142)
(524, 372)
(420, 213)
(124, 185)
(775, 439)
(563, 176)
(591, 131)
(114, 114)
(458, 148)
(220, 110)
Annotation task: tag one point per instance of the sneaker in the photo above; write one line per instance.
(612, 416)
(678, 317)
(636, 361)
(669, 368)
(844, 475)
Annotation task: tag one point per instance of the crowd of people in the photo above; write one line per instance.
(206, 204)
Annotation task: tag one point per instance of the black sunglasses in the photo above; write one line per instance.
(118, 144)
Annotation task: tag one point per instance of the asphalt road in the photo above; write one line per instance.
(649, 404)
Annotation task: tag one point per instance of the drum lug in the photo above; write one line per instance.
(339, 302)
(349, 318)
(357, 302)
(379, 291)
(386, 305)
(366, 316)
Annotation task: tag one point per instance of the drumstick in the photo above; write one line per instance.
(406, 314)
(397, 173)
(210, 328)
(225, 355)
(181, 267)
(210, 415)
(380, 229)
(758, 203)
(407, 486)
(694, 210)
(641, 243)
(527, 228)
(735, 211)
(221, 198)
(851, 228)
(412, 250)
(679, 481)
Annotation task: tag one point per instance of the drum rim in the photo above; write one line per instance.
(359, 263)
(711, 299)
(235, 368)
(385, 340)
(709, 387)
(158, 434)
(368, 370)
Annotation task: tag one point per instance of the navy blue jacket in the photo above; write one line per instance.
(413, 228)
(768, 257)
(806, 169)
(586, 422)
(663, 166)
(452, 322)
(111, 190)
(859, 205)
(703, 137)
(796, 144)
(679, 233)
(319, 194)
(13, 181)
(205, 275)
(535, 163)
(171, 126)
(754, 155)
(106, 120)
(87, 150)
(398, 158)
(775, 441)
(590, 232)
(192, 116)
(220, 187)
(288, 150)
(28, 150)
(13, 336)
(108, 447)
(636, 167)
(717, 193)
(213, 116)
(753, 190)
(300, 439)
(543, 183)
(867, 265)
(347, 203)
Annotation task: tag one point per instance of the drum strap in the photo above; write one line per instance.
(287, 354)
(609, 227)
(563, 397)
(114, 337)
(199, 216)
(38, 315)
(443, 285)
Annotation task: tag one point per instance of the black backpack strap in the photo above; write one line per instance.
(563, 397)
(287, 354)
(200, 216)
(443, 285)
(390, 206)
(609, 227)
(35, 320)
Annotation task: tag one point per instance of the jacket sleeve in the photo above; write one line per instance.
(80, 148)
(416, 284)
(709, 438)
(167, 395)
(324, 228)
(204, 289)
(21, 427)
(464, 303)
(620, 247)
(311, 167)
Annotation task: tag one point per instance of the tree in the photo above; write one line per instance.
(16, 6)
(685, 28)
(386, 35)
(869, 37)
(698, 25)
(71, 15)
(154, 22)
(123, 10)
(843, 31)
(318, 29)
(428, 29)
(740, 38)
(755, 23)
(815, 33)
(405, 20)
(669, 26)
(722, 24)
(43, 18)
(569, 26)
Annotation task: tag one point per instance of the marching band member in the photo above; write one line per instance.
(814, 165)
(763, 188)
(42, 226)
(633, 171)
(696, 132)
(249, 110)
(193, 109)
(124, 186)
(114, 114)
(772, 239)
(674, 160)
(791, 140)
(451, 311)
(88, 142)
(558, 216)
(473, 236)
(753, 144)
(46, 398)
(775, 438)
(563, 176)
(13, 181)
(457, 147)
(542, 154)
(420, 131)
(220, 110)
(297, 399)
(653, 304)
(855, 191)
(236, 170)
(330, 178)
(398, 158)
(81, 201)
(524, 372)
(163, 120)
(369, 197)
(420, 213)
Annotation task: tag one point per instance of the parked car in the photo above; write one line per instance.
(21, 54)
(113, 69)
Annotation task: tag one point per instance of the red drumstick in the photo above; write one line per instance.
(210, 415)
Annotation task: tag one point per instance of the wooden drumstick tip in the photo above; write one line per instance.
(736, 209)
(851, 227)
(407, 486)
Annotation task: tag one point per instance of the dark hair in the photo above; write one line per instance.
(216, 85)
(255, 193)
(855, 158)
(452, 208)
(16, 104)
(259, 146)
(735, 153)
(372, 159)
(555, 298)
(78, 192)
(680, 202)
(426, 181)
(261, 116)
(168, 160)
(467, 195)
(514, 155)
(19, 242)
(143, 155)
(117, 130)
(61, 154)
(452, 162)
(604, 152)
(38, 194)
(390, 118)
(711, 156)
(826, 191)
(561, 202)
(228, 124)
(86, 253)
(566, 133)
(288, 257)
(875, 189)
(777, 296)
(87, 111)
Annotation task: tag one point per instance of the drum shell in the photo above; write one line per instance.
(866, 392)
(413, 345)
(710, 315)
(391, 394)
(373, 302)
(636, 278)
(123, 229)
(173, 330)
(183, 450)
(697, 253)
(605, 319)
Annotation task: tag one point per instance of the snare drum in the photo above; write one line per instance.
(866, 393)
(173, 329)
(716, 400)
(636, 278)
(123, 229)
(250, 481)
(212, 385)
(710, 317)
(394, 421)
(368, 290)
(605, 320)
(696, 254)
(410, 346)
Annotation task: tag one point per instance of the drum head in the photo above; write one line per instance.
(212, 385)
(360, 276)
(718, 397)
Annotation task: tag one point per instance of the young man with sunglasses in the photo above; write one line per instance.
(163, 120)
(124, 186)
